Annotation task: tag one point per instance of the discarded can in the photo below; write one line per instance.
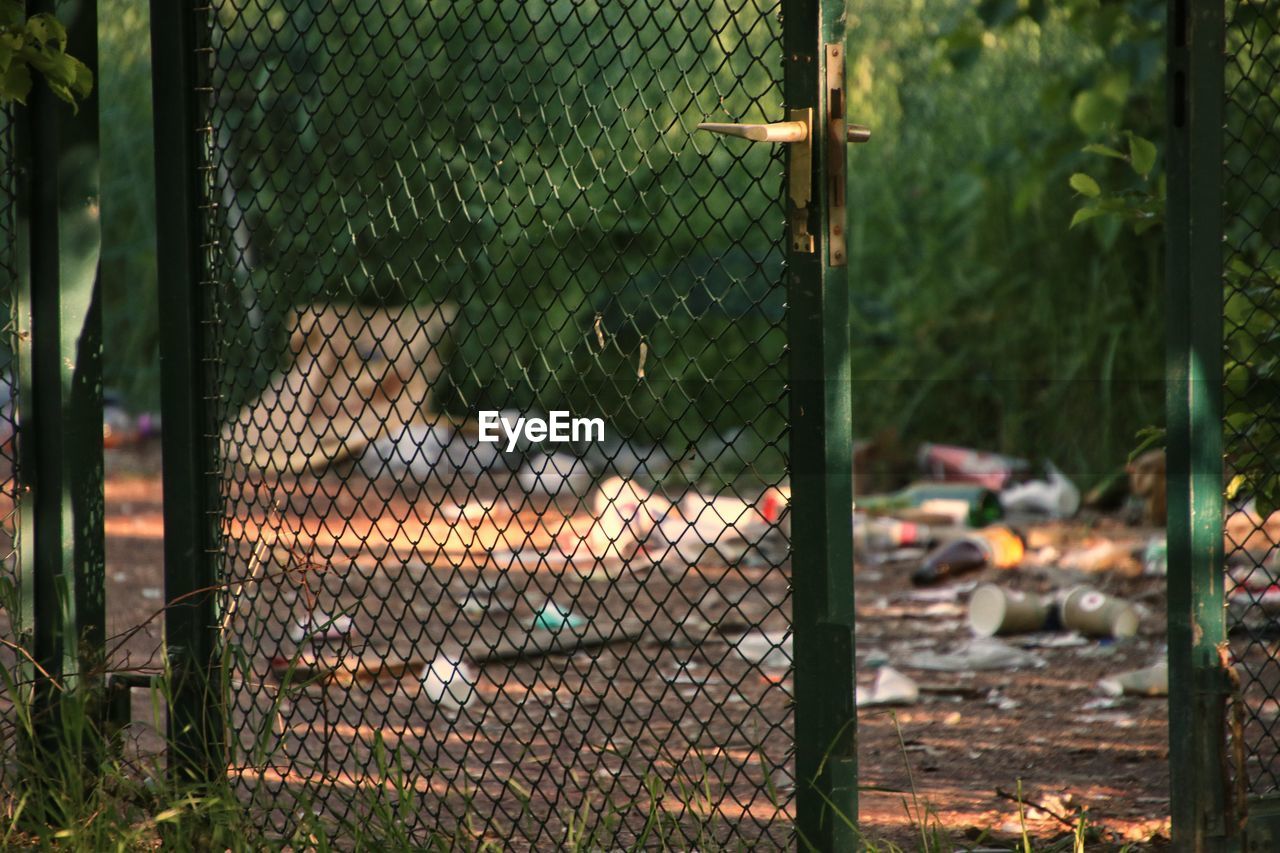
(960, 503)
(995, 610)
(1096, 614)
(992, 546)
(964, 465)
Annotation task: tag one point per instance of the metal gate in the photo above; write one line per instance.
(1224, 261)
(380, 222)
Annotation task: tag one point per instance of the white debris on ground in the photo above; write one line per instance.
(449, 683)
(890, 688)
(319, 627)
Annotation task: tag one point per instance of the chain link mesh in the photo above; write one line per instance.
(10, 576)
(420, 210)
(1251, 190)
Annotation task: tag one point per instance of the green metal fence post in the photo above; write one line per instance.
(1199, 684)
(821, 460)
(60, 383)
(196, 712)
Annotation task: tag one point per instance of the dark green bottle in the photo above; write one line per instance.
(967, 503)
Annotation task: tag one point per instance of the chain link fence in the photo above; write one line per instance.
(1251, 187)
(10, 568)
(418, 212)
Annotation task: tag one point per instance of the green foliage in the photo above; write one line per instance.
(38, 43)
(982, 317)
(1251, 182)
(128, 263)
(531, 165)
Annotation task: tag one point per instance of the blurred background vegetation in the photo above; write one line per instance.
(982, 316)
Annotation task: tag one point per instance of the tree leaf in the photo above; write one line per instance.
(1085, 185)
(1104, 150)
(15, 83)
(1093, 111)
(1238, 482)
(1084, 214)
(45, 28)
(1142, 154)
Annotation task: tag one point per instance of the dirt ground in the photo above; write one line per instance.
(673, 692)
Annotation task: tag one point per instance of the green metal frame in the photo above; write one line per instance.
(1200, 683)
(821, 446)
(821, 467)
(60, 383)
(196, 712)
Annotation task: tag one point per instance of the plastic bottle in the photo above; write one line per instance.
(991, 546)
(885, 534)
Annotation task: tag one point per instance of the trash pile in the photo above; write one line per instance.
(1013, 555)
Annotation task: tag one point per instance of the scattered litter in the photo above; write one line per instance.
(881, 534)
(946, 503)
(415, 452)
(875, 658)
(768, 650)
(319, 627)
(475, 604)
(152, 593)
(554, 618)
(1057, 640)
(1000, 702)
(1155, 557)
(1249, 604)
(992, 546)
(1104, 703)
(724, 524)
(625, 514)
(1105, 556)
(961, 464)
(449, 683)
(554, 474)
(949, 593)
(890, 688)
(994, 610)
(310, 669)
(977, 654)
(1151, 681)
(1096, 614)
(519, 644)
(119, 577)
(1054, 497)
(1247, 531)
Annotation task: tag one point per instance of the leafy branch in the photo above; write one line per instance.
(1141, 204)
(38, 43)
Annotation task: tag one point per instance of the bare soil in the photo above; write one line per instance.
(672, 699)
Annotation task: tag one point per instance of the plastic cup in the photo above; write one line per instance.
(1096, 614)
(995, 610)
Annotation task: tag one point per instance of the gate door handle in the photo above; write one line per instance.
(778, 131)
(796, 131)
